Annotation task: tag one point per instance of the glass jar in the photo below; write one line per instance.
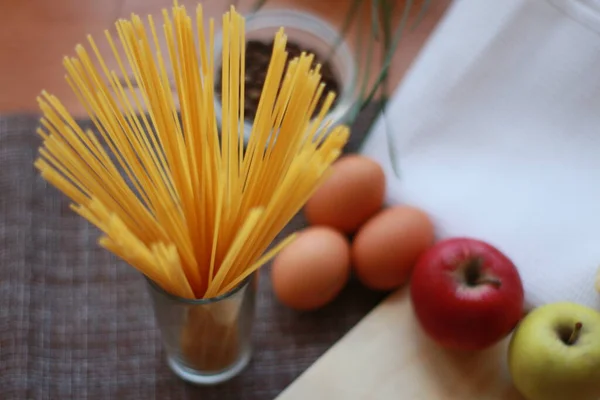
(310, 32)
(207, 341)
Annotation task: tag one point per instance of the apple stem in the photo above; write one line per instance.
(489, 281)
(575, 334)
(474, 275)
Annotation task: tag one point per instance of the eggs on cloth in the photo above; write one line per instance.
(312, 270)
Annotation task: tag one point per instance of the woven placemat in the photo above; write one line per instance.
(76, 322)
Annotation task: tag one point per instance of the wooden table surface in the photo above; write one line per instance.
(36, 34)
(388, 356)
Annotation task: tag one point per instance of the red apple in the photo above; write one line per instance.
(466, 294)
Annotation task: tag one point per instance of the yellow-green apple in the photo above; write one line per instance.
(466, 293)
(554, 354)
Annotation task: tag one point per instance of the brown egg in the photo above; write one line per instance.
(385, 249)
(313, 269)
(351, 195)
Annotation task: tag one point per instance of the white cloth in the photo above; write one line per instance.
(497, 132)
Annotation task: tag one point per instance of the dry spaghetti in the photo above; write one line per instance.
(192, 208)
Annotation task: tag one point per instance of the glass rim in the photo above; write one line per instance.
(207, 301)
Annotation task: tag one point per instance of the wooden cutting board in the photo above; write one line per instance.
(387, 356)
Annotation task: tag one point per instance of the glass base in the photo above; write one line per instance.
(200, 378)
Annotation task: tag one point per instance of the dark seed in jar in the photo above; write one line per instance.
(258, 56)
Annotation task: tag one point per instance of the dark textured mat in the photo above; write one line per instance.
(76, 323)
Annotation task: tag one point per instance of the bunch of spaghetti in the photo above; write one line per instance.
(193, 208)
